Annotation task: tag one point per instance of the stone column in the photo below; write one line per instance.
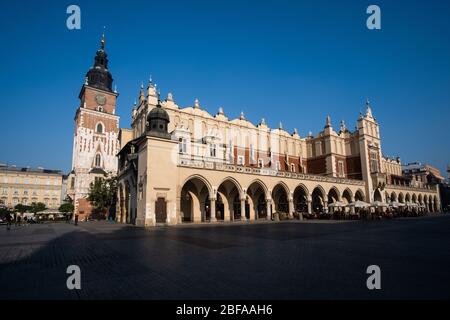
(352, 208)
(325, 207)
(291, 208)
(269, 209)
(243, 218)
(212, 204)
(309, 202)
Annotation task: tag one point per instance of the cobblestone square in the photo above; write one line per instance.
(286, 260)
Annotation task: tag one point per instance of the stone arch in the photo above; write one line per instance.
(393, 196)
(333, 195)
(420, 199)
(202, 179)
(414, 198)
(194, 194)
(347, 196)
(407, 197)
(401, 198)
(235, 182)
(300, 199)
(377, 195)
(231, 192)
(280, 197)
(318, 196)
(257, 194)
(359, 195)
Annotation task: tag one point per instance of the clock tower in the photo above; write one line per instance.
(95, 142)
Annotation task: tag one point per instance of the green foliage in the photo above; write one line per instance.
(4, 212)
(37, 207)
(22, 208)
(102, 194)
(66, 207)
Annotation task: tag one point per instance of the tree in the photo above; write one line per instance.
(66, 207)
(102, 194)
(4, 212)
(37, 207)
(22, 208)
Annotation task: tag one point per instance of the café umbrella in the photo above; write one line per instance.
(379, 204)
(359, 204)
(337, 204)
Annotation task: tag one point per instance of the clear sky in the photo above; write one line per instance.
(289, 61)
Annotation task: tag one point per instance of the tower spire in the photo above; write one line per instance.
(102, 42)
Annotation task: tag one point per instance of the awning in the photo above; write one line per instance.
(359, 204)
(379, 204)
(337, 204)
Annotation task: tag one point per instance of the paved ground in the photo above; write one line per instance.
(286, 260)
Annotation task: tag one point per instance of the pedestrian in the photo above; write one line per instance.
(76, 219)
(8, 221)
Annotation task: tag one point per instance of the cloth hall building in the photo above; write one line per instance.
(182, 165)
(178, 165)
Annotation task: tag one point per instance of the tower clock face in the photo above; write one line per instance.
(101, 99)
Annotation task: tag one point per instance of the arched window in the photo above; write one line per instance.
(99, 128)
(98, 160)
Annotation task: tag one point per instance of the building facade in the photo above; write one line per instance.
(95, 143)
(186, 165)
(26, 186)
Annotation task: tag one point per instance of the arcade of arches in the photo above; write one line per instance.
(200, 201)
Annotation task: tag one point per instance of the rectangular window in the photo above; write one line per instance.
(340, 169)
(241, 160)
(292, 167)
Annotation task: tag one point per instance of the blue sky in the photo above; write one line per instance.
(289, 61)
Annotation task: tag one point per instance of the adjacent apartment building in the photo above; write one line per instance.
(27, 185)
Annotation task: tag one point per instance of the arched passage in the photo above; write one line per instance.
(281, 199)
(257, 193)
(318, 197)
(401, 198)
(359, 195)
(193, 199)
(347, 196)
(408, 198)
(300, 199)
(230, 192)
(377, 195)
(393, 197)
(333, 195)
